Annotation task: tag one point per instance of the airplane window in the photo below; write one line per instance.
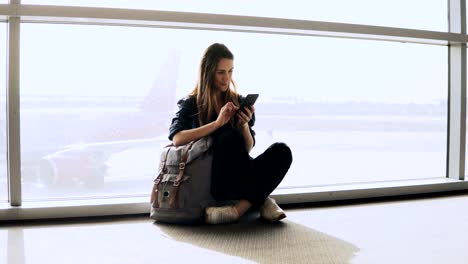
(421, 14)
(96, 104)
(3, 160)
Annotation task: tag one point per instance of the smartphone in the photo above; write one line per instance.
(249, 100)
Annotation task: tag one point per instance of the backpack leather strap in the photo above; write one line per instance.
(175, 191)
(162, 170)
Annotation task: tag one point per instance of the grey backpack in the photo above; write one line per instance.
(181, 190)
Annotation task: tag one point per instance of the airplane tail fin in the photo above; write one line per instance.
(162, 95)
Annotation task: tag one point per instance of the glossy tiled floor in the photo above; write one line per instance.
(422, 230)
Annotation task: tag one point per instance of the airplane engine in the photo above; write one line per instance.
(72, 168)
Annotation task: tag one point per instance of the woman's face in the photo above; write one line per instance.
(223, 74)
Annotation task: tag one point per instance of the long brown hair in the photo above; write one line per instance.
(205, 90)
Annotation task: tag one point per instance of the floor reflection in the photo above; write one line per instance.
(15, 246)
(258, 241)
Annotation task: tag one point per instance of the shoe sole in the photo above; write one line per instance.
(280, 217)
(277, 219)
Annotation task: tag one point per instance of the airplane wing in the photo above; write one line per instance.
(91, 164)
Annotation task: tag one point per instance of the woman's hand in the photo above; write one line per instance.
(245, 116)
(226, 113)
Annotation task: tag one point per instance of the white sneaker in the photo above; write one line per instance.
(271, 211)
(220, 215)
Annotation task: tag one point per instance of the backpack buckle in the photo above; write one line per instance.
(182, 166)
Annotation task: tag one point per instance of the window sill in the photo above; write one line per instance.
(140, 205)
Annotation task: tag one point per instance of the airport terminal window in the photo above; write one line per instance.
(96, 103)
(351, 110)
(95, 108)
(417, 14)
(3, 149)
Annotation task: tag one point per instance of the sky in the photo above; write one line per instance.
(113, 61)
(125, 61)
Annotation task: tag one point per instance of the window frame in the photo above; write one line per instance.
(455, 39)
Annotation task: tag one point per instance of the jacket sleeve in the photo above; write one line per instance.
(185, 118)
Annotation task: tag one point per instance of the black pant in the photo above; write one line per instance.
(235, 175)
